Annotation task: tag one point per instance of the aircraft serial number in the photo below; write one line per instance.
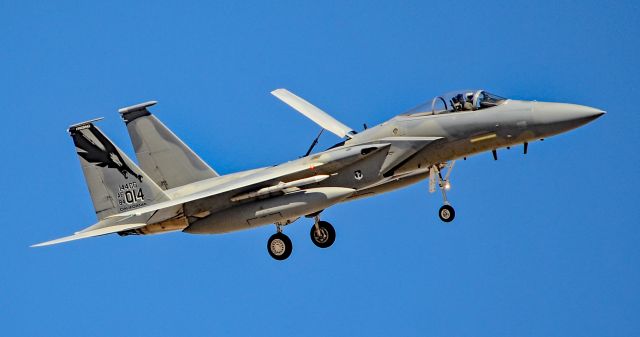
(130, 196)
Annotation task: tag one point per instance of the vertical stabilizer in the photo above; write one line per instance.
(115, 183)
(166, 158)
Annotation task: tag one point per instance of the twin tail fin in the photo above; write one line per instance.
(115, 183)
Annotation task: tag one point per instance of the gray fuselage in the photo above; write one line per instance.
(365, 163)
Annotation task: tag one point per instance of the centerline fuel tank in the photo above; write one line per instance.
(268, 211)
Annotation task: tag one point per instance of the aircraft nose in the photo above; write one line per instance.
(563, 117)
(583, 112)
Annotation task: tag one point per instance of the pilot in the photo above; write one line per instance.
(468, 103)
(457, 102)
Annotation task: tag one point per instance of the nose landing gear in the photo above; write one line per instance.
(446, 212)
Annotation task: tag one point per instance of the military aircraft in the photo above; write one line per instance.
(173, 189)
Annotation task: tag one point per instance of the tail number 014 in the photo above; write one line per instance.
(130, 195)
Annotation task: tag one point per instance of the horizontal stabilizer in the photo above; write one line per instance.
(92, 233)
(314, 113)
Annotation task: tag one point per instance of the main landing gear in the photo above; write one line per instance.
(446, 212)
(322, 235)
(279, 245)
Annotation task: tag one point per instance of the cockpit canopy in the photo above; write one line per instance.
(461, 100)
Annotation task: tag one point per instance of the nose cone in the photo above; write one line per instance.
(560, 117)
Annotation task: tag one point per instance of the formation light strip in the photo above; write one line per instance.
(485, 137)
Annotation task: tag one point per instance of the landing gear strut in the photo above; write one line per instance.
(446, 212)
(322, 233)
(279, 245)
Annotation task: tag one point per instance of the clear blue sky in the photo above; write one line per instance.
(543, 245)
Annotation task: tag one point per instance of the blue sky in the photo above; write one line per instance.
(542, 245)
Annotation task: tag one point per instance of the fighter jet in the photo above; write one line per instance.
(173, 189)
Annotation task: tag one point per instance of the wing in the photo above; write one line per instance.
(234, 187)
(265, 176)
(313, 113)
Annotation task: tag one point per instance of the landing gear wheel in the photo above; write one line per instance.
(447, 213)
(279, 246)
(326, 235)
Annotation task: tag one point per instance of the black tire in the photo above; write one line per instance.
(279, 246)
(447, 213)
(327, 237)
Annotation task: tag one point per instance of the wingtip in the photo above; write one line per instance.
(41, 244)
